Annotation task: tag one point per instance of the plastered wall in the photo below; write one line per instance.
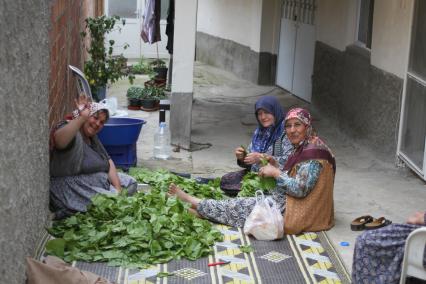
(24, 163)
(236, 20)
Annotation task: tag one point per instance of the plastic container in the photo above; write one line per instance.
(121, 131)
(124, 156)
(162, 142)
(119, 137)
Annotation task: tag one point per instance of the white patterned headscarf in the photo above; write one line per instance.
(94, 108)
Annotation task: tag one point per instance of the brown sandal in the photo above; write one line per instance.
(359, 223)
(378, 223)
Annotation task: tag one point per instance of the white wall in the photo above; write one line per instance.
(335, 22)
(391, 30)
(236, 20)
(336, 26)
(270, 29)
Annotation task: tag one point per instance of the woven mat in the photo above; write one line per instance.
(305, 258)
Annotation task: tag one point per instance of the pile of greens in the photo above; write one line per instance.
(161, 179)
(133, 231)
(252, 182)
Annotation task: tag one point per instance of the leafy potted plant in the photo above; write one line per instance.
(151, 97)
(159, 67)
(134, 97)
(102, 67)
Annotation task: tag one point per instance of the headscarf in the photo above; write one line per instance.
(312, 147)
(264, 137)
(94, 108)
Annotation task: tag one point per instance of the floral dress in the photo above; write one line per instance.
(234, 211)
(378, 254)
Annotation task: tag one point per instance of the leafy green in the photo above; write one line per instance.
(252, 182)
(246, 248)
(161, 180)
(133, 231)
(164, 274)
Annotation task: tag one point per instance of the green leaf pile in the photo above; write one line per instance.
(133, 231)
(252, 182)
(161, 179)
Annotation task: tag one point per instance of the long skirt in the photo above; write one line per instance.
(234, 211)
(72, 194)
(379, 253)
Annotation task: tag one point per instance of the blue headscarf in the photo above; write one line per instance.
(265, 137)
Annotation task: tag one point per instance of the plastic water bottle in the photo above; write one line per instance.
(162, 142)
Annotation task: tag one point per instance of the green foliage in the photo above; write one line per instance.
(246, 248)
(102, 67)
(157, 63)
(252, 182)
(135, 92)
(142, 67)
(154, 93)
(135, 231)
(161, 180)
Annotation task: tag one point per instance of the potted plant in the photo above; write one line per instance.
(134, 97)
(151, 97)
(159, 67)
(102, 67)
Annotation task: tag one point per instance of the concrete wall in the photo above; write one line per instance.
(237, 20)
(24, 132)
(240, 36)
(336, 22)
(391, 31)
(354, 85)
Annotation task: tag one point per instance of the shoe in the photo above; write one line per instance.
(359, 223)
(378, 223)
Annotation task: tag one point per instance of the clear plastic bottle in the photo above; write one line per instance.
(162, 142)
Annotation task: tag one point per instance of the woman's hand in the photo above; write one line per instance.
(252, 158)
(269, 171)
(83, 106)
(417, 218)
(240, 153)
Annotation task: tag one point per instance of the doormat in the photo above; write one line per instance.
(304, 258)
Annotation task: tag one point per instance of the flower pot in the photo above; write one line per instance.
(148, 104)
(161, 72)
(134, 104)
(156, 82)
(99, 94)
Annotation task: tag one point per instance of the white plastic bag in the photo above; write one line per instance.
(265, 221)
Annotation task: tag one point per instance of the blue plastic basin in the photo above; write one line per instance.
(121, 131)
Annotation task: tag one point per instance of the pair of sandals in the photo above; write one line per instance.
(367, 222)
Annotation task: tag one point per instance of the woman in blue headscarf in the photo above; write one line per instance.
(269, 138)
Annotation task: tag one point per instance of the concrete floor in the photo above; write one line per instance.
(223, 118)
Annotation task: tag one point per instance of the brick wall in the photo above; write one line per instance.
(67, 21)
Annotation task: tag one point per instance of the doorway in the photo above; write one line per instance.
(297, 48)
(132, 11)
(412, 129)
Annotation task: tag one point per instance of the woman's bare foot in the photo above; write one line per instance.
(182, 195)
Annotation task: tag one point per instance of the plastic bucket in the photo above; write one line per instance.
(121, 131)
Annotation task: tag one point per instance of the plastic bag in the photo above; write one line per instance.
(265, 221)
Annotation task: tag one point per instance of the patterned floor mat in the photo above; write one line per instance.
(305, 258)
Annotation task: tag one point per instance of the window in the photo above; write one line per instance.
(365, 22)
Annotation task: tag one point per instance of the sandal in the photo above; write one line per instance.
(378, 223)
(359, 223)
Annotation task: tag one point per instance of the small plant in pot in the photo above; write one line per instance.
(134, 97)
(151, 97)
(160, 69)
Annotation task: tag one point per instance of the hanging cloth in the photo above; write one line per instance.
(150, 31)
(170, 26)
